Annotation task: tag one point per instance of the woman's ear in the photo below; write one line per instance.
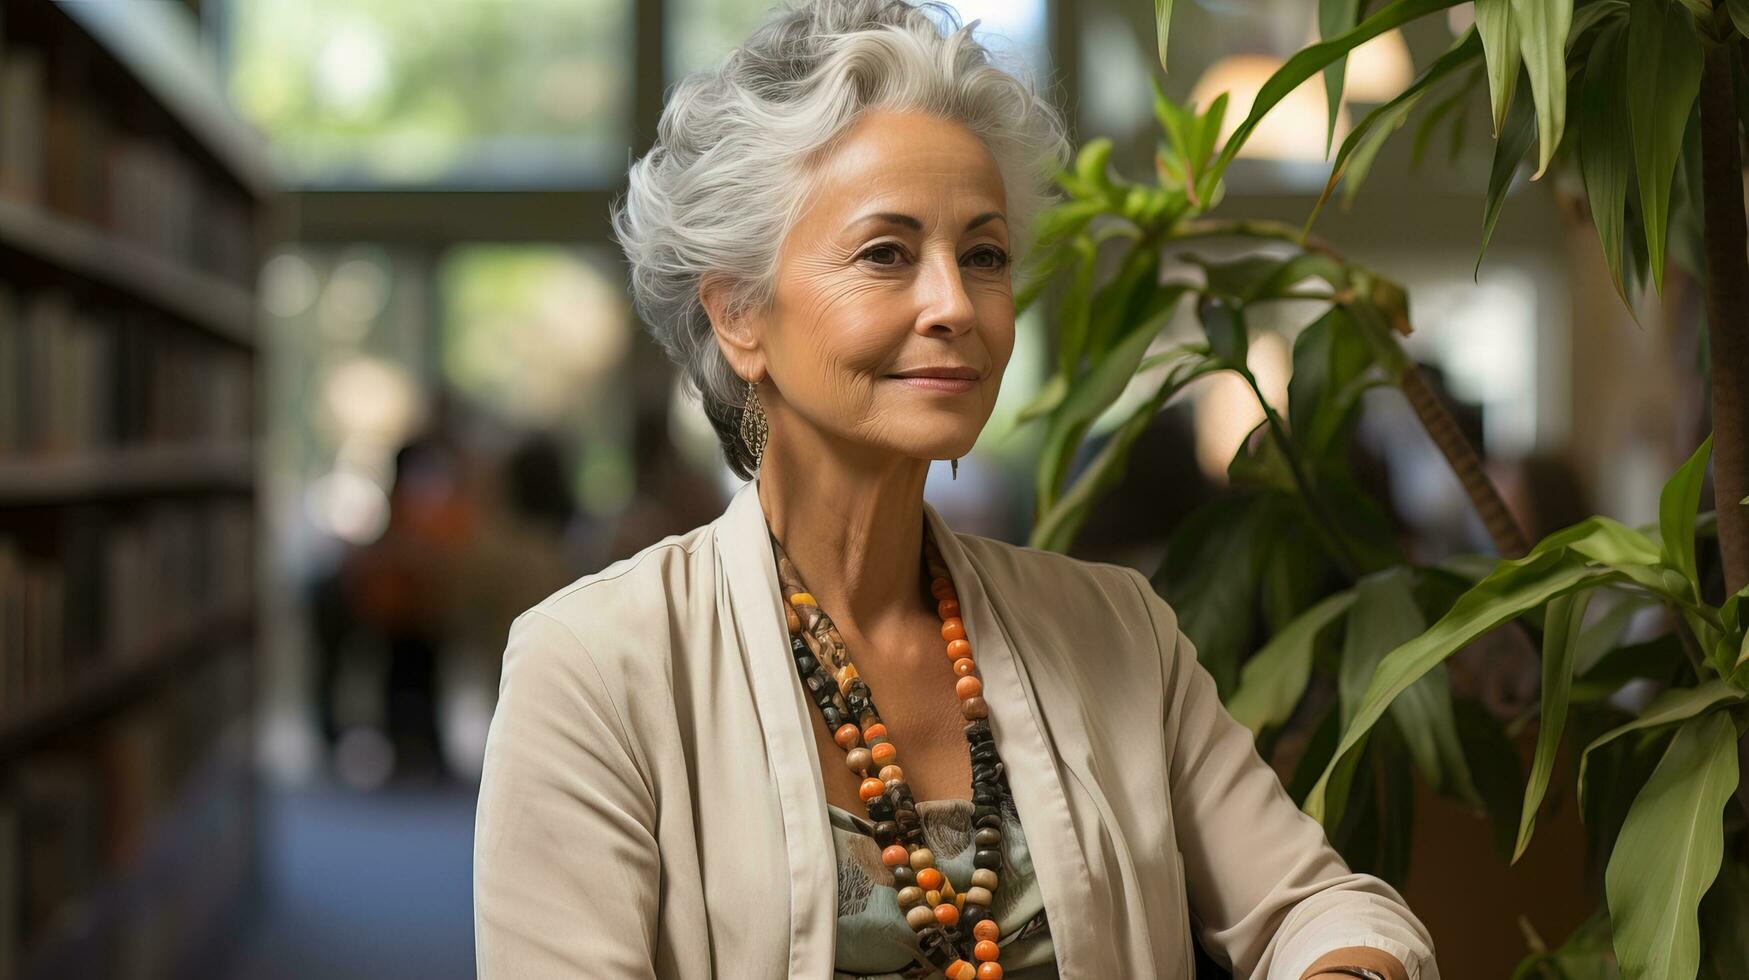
(737, 333)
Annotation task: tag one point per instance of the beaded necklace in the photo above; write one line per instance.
(942, 916)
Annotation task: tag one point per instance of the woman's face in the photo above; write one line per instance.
(893, 317)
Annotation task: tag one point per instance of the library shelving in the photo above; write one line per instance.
(134, 209)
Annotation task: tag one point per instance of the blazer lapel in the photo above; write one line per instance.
(747, 586)
(1017, 722)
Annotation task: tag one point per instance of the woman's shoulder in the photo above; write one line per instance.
(1062, 591)
(614, 615)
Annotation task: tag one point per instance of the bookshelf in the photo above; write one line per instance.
(134, 210)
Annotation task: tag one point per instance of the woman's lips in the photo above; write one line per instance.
(930, 383)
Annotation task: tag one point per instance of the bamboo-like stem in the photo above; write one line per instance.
(1727, 308)
(1509, 539)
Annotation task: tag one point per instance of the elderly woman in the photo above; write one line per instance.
(826, 735)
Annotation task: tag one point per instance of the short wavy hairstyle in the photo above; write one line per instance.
(733, 163)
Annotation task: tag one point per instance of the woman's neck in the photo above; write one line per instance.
(853, 526)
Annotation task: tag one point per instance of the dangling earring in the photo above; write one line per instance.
(754, 430)
(956, 468)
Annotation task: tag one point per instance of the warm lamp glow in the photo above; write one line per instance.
(1378, 69)
(1293, 130)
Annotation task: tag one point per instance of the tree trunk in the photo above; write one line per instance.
(1727, 308)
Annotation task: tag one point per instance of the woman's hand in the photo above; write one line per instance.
(1377, 960)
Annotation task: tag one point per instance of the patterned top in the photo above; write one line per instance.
(874, 943)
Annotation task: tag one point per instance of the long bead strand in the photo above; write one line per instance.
(940, 914)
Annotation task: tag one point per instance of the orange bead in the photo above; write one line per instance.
(929, 879)
(990, 970)
(986, 929)
(986, 950)
(795, 622)
(948, 608)
(968, 687)
(847, 736)
(895, 855)
(874, 731)
(803, 599)
(872, 788)
(883, 753)
(953, 629)
(959, 648)
(947, 914)
(963, 667)
(961, 970)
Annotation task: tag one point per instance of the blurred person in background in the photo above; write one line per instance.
(688, 774)
(671, 497)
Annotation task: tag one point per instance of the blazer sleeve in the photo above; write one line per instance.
(566, 872)
(1267, 891)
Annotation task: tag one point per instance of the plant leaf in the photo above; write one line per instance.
(1055, 531)
(1162, 27)
(1386, 616)
(1076, 306)
(1513, 588)
(1272, 681)
(1560, 641)
(1499, 31)
(1674, 705)
(1739, 13)
(1213, 564)
(1663, 77)
(1542, 37)
(1335, 17)
(1606, 152)
(1391, 115)
(1669, 851)
(1509, 150)
(1677, 505)
(1314, 58)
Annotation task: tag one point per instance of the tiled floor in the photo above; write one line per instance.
(364, 885)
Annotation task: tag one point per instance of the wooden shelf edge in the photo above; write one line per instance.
(122, 679)
(123, 472)
(159, 44)
(202, 300)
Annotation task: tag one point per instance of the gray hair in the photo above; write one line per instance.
(732, 165)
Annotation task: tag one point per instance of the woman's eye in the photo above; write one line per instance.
(997, 257)
(882, 250)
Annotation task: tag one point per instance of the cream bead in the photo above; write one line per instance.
(979, 896)
(984, 878)
(922, 858)
(920, 917)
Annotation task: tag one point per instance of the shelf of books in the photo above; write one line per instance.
(132, 217)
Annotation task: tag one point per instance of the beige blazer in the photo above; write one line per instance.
(652, 803)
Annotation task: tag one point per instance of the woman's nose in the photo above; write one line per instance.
(945, 304)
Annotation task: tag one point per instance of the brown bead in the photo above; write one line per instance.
(963, 667)
(986, 929)
(948, 608)
(968, 687)
(947, 914)
(890, 773)
(872, 788)
(847, 736)
(989, 970)
(959, 648)
(859, 760)
(953, 629)
(974, 708)
(894, 855)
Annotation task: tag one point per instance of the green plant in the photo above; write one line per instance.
(1654, 783)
